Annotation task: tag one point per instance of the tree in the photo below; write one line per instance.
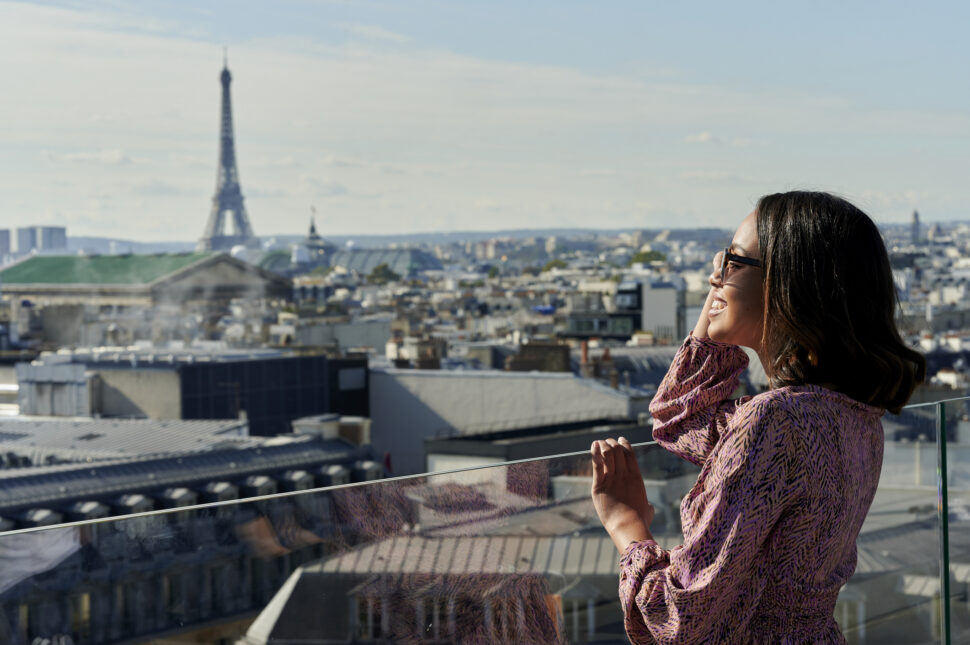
(646, 257)
(554, 264)
(493, 272)
(382, 274)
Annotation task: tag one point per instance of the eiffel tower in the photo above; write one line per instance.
(227, 203)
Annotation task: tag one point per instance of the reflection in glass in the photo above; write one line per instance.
(511, 553)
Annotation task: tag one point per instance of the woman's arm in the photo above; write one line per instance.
(707, 589)
(692, 405)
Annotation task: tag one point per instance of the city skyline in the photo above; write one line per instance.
(474, 116)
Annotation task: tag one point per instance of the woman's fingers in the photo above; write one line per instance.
(613, 457)
(599, 464)
(629, 456)
(609, 456)
(703, 321)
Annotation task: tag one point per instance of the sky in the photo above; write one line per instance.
(430, 115)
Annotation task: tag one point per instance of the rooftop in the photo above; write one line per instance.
(54, 486)
(401, 261)
(99, 269)
(86, 439)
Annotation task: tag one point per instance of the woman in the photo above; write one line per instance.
(787, 476)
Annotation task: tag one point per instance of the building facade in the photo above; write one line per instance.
(270, 389)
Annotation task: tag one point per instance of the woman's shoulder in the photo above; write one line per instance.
(802, 406)
(798, 398)
(767, 409)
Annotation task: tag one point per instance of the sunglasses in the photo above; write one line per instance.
(722, 258)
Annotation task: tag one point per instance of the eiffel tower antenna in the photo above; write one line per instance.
(227, 203)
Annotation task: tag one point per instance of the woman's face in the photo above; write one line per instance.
(737, 312)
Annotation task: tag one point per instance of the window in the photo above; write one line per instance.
(578, 619)
(370, 618)
(622, 326)
(432, 618)
(351, 378)
(81, 617)
(505, 619)
(626, 300)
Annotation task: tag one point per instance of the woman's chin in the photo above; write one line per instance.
(716, 331)
(723, 336)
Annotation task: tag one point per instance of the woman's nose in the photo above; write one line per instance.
(714, 279)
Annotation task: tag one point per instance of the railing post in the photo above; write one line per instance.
(943, 511)
(918, 470)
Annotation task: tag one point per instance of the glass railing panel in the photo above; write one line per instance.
(512, 553)
(508, 553)
(895, 594)
(957, 430)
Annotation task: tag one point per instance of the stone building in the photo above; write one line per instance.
(113, 299)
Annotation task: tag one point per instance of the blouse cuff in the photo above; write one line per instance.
(697, 341)
(646, 549)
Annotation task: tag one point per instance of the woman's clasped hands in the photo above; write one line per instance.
(619, 496)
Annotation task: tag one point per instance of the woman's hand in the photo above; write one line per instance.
(618, 494)
(700, 329)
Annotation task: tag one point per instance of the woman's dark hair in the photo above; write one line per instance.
(830, 301)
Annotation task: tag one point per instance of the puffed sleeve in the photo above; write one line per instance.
(691, 407)
(707, 589)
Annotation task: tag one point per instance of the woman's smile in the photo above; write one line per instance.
(717, 306)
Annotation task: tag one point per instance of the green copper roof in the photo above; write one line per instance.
(403, 262)
(278, 261)
(98, 269)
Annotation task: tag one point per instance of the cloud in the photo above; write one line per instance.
(112, 157)
(322, 188)
(705, 136)
(343, 162)
(348, 162)
(375, 32)
(701, 137)
(486, 204)
(282, 162)
(191, 161)
(264, 193)
(744, 142)
(157, 188)
(891, 201)
(716, 176)
(458, 125)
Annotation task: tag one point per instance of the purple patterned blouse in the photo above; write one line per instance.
(786, 480)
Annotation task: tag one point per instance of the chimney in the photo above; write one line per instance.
(584, 365)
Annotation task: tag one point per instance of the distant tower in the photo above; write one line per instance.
(313, 235)
(914, 231)
(318, 249)
(227, 203)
